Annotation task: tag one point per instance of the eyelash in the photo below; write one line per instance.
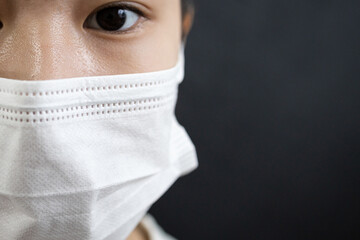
(122, 5)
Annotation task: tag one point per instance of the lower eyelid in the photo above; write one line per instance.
(137, 28)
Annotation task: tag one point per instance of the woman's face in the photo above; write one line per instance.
(51, 39)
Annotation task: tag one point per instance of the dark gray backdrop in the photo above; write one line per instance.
(271, 100)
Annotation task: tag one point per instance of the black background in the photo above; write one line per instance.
(271, 101)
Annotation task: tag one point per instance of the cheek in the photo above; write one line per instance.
(141, 55)
(157, 51)
(155, 46)
(53, 52)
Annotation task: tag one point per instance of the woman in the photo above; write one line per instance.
(89, 140)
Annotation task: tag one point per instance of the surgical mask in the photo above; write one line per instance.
(85, 158)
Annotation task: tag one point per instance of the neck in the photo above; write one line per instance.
(139, 234)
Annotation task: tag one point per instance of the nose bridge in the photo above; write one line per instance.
(35, 46)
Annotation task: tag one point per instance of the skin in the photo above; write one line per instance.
(39, 37)
(46, 39)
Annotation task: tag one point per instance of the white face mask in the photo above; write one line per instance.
(85, 158)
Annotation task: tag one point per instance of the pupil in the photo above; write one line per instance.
(111, 19)
(1, 24)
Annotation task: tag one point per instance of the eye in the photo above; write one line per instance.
(113, 18)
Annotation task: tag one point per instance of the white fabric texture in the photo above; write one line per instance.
(85, 158)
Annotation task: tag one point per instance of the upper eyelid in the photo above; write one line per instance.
(125, 5)
(129, 8)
